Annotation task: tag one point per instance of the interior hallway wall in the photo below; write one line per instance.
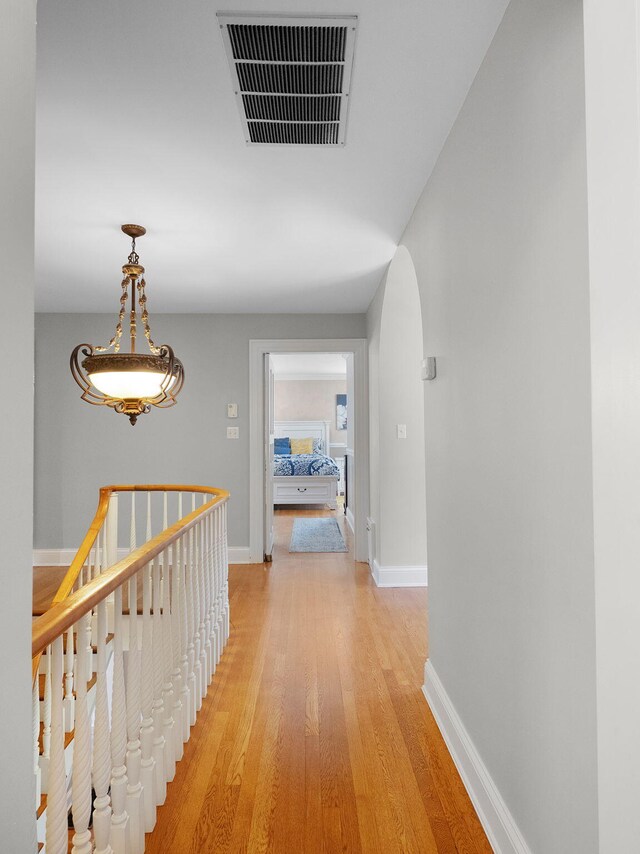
(499, 242)
(612, 56)
(394, 328)
(17, 179)
(81, 447)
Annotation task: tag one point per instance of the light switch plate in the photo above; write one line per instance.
(233, 432)
(232, 410)
(402, 431)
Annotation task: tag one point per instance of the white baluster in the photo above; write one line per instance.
(219, 630)
(111, 529)
(46, 723)
(197, 639)
(216, 584)
(57, 840)
(120, 818)
(101, 759)
(134, 753)
(134, 802)
(84, 644)
(185, 694)
(81, 771)
(148, 516)
(35, 710)
(132, 524)
(94, 571)
(214, 587)
(191, 678)
(201, 620)
(167, 657)
(148, 764)
(158, 705)
(208, 563)
(162, 557)
(183, 632)
(69, 701)
(225, 569)
(176, 675)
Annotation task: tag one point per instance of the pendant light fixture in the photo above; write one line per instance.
(130, 383)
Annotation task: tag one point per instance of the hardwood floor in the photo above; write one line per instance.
(46, 580)
(314, 736)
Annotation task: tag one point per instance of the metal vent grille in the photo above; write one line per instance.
(291, 76)
(287, 79)
(288, 44)
(289, 108)
(290, 133)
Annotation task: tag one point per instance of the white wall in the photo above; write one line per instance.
(17, 168)
(398, 465)
(499, 242)
(613, 148)
(310, 400)
(184, 444)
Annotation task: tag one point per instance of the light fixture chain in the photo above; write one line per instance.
(115, 341)
(144, 316)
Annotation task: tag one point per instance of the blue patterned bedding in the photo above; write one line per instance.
(292, 465)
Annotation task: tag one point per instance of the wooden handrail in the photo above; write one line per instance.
(71, 576)
(156, 674)
(62, 615)
(67, 607)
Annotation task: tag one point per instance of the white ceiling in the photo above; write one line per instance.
(308, 365)
(137, 122)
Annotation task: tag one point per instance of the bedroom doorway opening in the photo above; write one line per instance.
(309, 444)
(308, 418)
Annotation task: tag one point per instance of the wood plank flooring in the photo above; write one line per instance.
(314, 737)
(46, 580)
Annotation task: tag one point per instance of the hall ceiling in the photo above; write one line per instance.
(137, 122)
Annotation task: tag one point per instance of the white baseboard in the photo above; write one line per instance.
(239, 554)
(63, 557)
(351, 522)
(399, 576)
(498, 823)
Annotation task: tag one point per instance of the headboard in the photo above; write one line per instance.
(304, 430)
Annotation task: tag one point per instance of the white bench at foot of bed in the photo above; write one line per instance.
(315, 489)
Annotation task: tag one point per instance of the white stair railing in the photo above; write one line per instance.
(141, 689)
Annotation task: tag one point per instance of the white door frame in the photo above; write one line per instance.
(257, 350)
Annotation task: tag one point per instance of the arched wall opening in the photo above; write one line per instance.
(397, 411)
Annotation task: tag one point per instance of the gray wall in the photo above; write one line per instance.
(374, 321)
(17, 168)
(81, 447)
(499, 241)
(396, 396)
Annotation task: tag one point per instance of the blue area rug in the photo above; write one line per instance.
(317, 535)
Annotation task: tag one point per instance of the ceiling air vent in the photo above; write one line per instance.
(291, 76)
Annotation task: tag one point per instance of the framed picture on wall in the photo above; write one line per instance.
(341, 412)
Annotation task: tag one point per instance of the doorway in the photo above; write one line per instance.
(308, 415)
(263, 430)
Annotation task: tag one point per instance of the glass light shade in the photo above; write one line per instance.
(129, 384)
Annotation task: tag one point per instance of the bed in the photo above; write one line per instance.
(305, 478)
